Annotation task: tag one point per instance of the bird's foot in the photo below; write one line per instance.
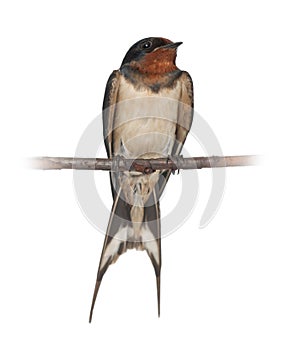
(117, 163)
(176, 160)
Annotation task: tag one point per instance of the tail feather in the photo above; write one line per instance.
(121, 236)
(158, 294)
(153, 245)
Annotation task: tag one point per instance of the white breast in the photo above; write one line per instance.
(145, 122)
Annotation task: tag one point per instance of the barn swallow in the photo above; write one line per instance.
(147, 113)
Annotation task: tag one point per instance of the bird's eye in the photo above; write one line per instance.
(146, 45)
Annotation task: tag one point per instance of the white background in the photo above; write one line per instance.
(238, 277)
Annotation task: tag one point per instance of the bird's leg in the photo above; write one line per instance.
(115, 166)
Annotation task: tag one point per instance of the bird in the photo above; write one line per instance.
(147, 113)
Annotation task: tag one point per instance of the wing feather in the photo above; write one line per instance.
(108, 114)
(184, 121)
(109, 108)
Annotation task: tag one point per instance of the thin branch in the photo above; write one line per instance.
(146, 166)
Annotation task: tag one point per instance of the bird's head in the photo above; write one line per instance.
(152, 56)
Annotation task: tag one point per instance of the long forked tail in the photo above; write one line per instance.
(122, 234)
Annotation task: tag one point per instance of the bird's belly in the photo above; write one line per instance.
(145, 127)
(145, 138)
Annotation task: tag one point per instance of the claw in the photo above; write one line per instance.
(176, 160)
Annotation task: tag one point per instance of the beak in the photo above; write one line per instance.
(173, 45)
